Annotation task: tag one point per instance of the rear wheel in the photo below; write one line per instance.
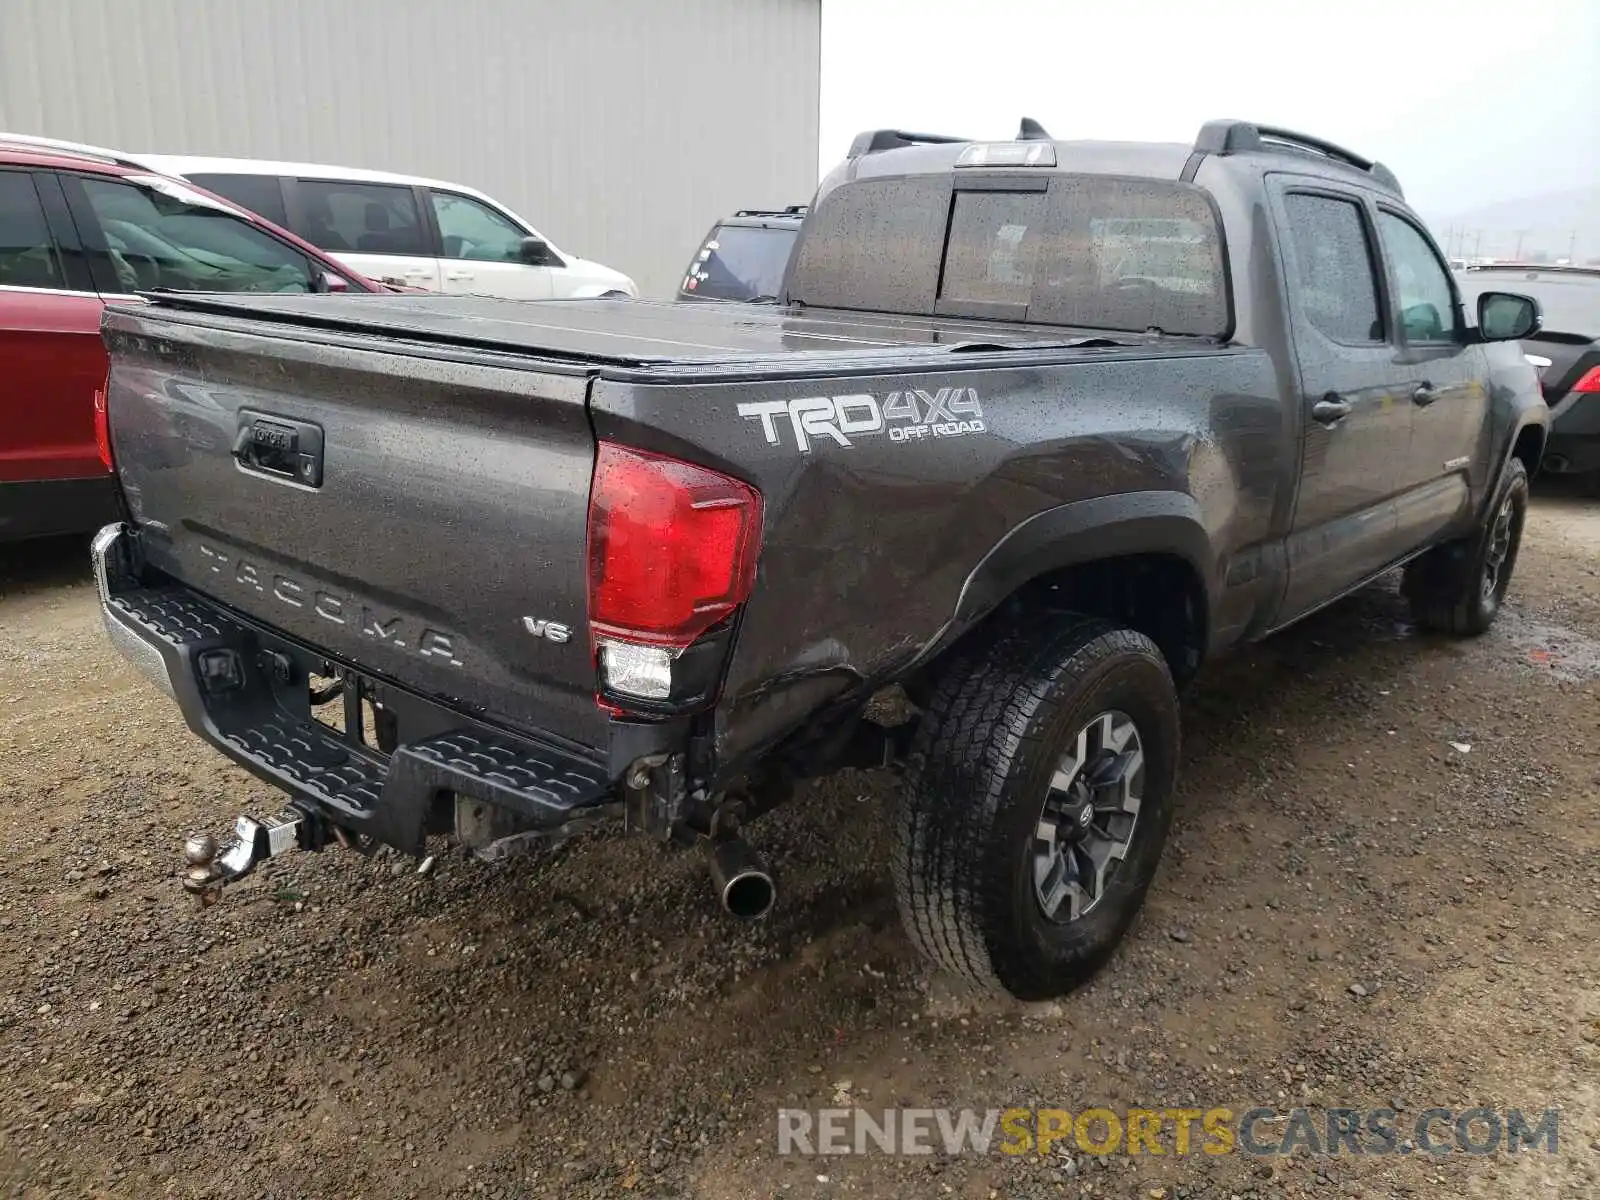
(1037, 799)
(1459, 587)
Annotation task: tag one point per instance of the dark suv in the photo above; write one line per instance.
(744, 257)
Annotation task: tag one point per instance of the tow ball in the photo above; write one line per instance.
(210, 867)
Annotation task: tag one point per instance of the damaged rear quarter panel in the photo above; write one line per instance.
(875, 516)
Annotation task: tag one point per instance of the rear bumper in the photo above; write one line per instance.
(51, 507)
(243, 688)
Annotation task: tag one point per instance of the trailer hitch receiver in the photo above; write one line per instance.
(210, 867)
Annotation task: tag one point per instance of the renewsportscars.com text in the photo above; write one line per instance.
(1160, 1131)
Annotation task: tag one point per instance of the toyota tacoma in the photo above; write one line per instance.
(1036, 429)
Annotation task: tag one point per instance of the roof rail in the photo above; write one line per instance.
(793, 210)
(78, 148)
(1245, 137)
(1032, 131)
(1554, 268)
(874, 140)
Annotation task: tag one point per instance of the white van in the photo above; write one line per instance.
(421, 232)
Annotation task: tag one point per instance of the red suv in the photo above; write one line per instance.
(78, 227)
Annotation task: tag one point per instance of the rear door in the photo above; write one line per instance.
(1444, 379)
(1356, 427)
(379, 229)
(480, 251)
(50, 345)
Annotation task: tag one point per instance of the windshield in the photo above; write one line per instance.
(1569, 303)
(741, 262)
(176, 238)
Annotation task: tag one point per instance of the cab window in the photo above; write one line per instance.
(1423, 297)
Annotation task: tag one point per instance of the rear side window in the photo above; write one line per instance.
(362, 218)
(741, 262)
(261, 194)
(1089, 251)
(1333, 268)
(27, 254)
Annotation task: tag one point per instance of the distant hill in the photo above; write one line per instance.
(1546, 225)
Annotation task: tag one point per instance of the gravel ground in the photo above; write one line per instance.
(1353, 911)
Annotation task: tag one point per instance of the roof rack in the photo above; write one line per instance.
(1245, 137)
(77, 148)
(793, 210)
(874, 140)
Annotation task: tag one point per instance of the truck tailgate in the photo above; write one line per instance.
(412, 516)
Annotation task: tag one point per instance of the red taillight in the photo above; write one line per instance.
(102, 427)
(672, 547)
(1590, 381)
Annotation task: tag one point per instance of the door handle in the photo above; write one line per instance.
(282, 447)
(1330, 410)
(416, 273)
(1424, 394)
(459, 277)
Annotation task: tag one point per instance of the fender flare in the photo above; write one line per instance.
(1509, 451)
(1116, 526)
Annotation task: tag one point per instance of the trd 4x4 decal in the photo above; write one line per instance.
(907, 416)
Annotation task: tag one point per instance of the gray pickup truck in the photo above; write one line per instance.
(1037, 429)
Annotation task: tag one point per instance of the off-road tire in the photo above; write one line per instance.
(996, 726)
(1448, 588)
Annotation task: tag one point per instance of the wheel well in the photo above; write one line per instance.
(1529, 448)
(1159, 595)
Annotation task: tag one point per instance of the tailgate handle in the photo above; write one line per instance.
(279, 447)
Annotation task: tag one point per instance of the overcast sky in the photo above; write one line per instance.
(1470, 102)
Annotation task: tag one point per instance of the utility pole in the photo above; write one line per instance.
(1477, 244)
(1572, 248)
(1517, 257)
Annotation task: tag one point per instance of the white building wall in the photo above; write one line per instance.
(620, 128)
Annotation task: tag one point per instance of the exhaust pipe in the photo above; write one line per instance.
(743, 882)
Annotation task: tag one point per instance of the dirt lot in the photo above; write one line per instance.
(588, 1025)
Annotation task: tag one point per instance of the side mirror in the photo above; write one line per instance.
(335, 283)
(535, 251)
(1505, 316)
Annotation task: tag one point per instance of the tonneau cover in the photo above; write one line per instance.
(642, 333)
